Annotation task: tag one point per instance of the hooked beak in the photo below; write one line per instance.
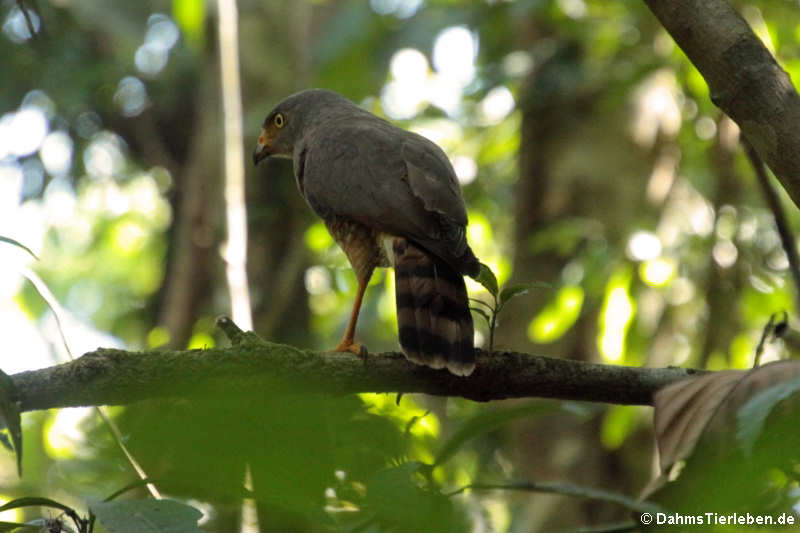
(259, 153)
(261, 150)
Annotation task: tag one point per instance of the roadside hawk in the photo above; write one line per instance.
(389, 198)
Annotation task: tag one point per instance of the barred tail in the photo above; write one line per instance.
(433, 315)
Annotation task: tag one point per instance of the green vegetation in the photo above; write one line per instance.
(607, 193)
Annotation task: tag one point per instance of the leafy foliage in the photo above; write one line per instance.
(591, 158)
(138, 516)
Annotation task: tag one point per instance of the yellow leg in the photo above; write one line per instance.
(348, 344)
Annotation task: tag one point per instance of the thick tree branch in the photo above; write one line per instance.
(115, 377)
(744, 79)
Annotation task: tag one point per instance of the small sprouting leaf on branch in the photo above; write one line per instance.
(511, 292)
(487, 278)
(499, 298)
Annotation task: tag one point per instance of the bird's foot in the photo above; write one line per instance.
(355, 348)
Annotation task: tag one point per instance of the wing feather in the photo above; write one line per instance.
(387, 178)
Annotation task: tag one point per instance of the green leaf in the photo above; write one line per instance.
(18, 244)
(36, 501)
(753, 415)
(402, 499)
(487, 421)
(147, 516)
(487, 278)
(513, 291)
(483, 313)
(10, 415)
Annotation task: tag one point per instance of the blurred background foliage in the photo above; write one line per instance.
(591, 159)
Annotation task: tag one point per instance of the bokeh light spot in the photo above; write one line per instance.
(644, 245)
(56, 153)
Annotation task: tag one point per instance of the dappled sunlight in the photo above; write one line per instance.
(129, 238)
(454, 53)
(16, 27)
(399, 8)
(152, 56)
(681, 291)
(64, 435)
(421, 425)
(643, 245)
(558, 315)
(201, 340)
(387, 309)
(105, 155)
(23, 132)
(615, 318)
(317, 280)
(465, 168)
(657, 272)
(575, 9)
(618, 423)
(656, 108)
(752, 14)
(405, 95)
(56, 153)
(131, 96)
(724, 253)
(599, 178)
(317, 238)
(25, 348)
(11, 515)
(413, 85)
(497, 104)
(686, 213)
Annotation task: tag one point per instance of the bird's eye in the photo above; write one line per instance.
(279, 120)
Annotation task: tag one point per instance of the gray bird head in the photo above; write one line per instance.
(295, 117)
